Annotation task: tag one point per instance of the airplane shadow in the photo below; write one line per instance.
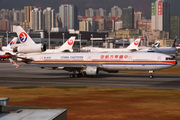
(110, 75)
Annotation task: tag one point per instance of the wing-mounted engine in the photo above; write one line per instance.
(91, 70)
(35, 48)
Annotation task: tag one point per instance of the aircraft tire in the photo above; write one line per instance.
(72, 75)
(151, 76)
(76, 75)
(80, 74)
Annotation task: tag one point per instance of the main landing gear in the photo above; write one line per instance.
(76, 75)
(151, 74)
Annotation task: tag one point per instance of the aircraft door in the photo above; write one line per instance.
(159, 58)
(89, 58)
(128, 65)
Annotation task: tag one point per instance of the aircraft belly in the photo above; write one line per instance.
(134, 67)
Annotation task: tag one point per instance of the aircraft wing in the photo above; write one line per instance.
(23, 59)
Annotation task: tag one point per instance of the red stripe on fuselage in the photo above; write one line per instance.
(4, 56)
(73, 61)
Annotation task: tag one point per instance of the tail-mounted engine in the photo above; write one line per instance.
(30, 48)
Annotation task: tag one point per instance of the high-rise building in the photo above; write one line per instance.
(14, 17)
(128, 17)
(21, 16)
(84, 25)
(144, 24)
(102, 12)
(175, 27)
(27, 11)
(101, 24)
(18, 16)
(87, 25)
(137, 17)
(4, 14)
(49, 19)
(5, 25)
(69, 16)
(36, 19)
(160, 15)
(118, 25)
(90, 13)
(116, 11)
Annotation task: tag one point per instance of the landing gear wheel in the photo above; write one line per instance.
(72, 75)
(151, 76)
(76, 75)
(79, 74)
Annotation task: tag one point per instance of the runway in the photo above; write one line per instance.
(27, 75)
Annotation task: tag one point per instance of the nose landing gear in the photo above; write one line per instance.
(151, 74)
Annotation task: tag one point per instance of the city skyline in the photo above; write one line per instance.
(96, 20)
(140, 5)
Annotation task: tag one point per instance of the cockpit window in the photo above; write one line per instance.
(169, 58)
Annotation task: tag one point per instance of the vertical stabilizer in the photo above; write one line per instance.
(67, 45)
(134, 45)
(174, 43)
(13, 41)
(8, 47)
(156, 45)
(24, 38)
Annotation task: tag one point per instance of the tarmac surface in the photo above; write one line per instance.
(28, 75)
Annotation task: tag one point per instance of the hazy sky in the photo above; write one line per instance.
(140, 5)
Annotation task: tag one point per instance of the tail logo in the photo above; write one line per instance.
(70, 42)
(23, 37)
(136, 42)
(12, 42)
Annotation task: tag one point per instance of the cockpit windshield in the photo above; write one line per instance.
(169, 58)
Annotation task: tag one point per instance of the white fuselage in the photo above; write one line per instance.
(96, 49)
(105, 61)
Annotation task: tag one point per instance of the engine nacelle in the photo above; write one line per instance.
(92, 70)
(30, 48)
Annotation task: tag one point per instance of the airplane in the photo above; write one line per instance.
(91, 63)
(166, 50)
(28, 46)
(132, 47)
(7, 49)
(156, 45)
